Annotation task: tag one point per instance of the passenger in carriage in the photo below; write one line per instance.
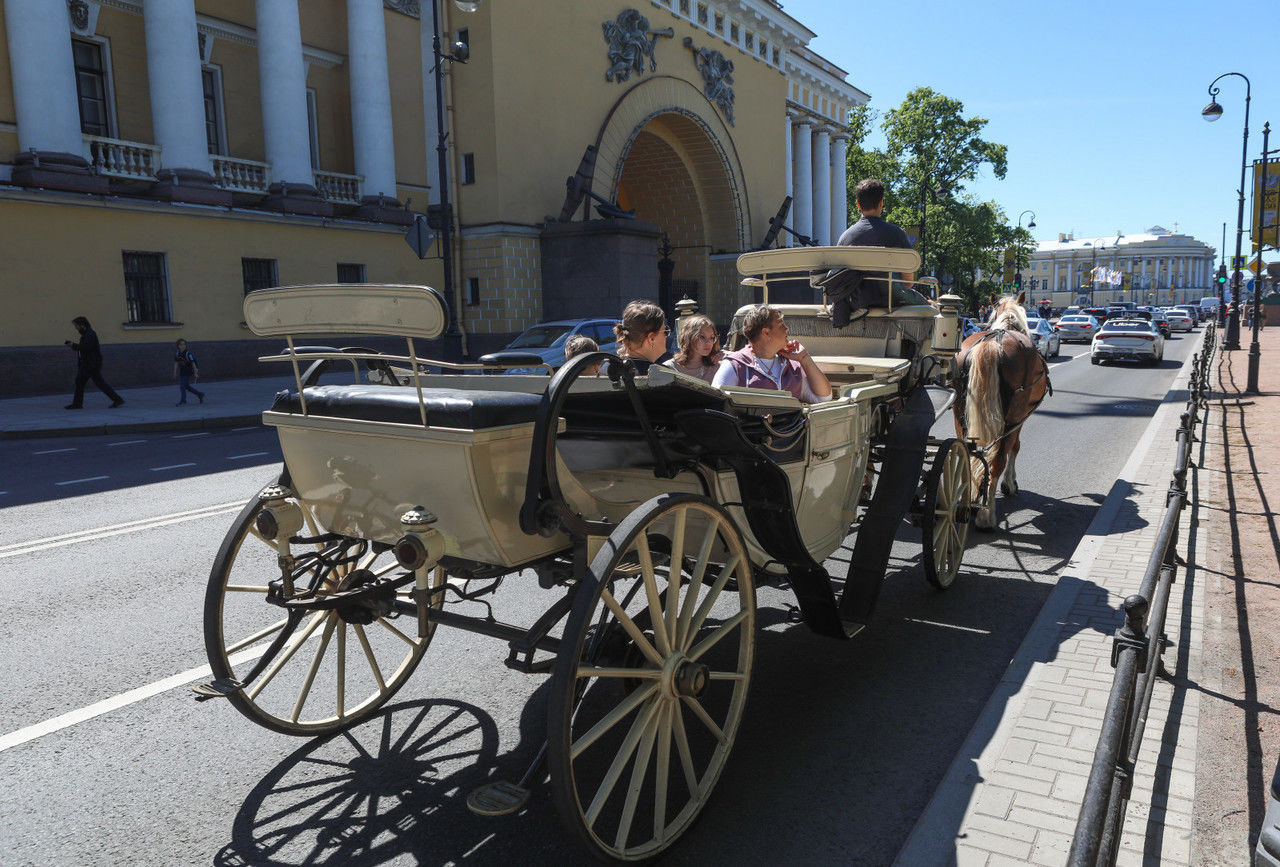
(699, 353)
(580, 345)
(642, 335)
(873, 230)
(771, 360)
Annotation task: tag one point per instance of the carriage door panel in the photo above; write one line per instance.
(833, 475)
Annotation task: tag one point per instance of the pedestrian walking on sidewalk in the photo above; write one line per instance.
(185, 369)
(89, 365)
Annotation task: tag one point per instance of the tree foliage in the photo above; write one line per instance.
(931, 152)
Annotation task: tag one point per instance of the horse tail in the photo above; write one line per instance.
(982, 409)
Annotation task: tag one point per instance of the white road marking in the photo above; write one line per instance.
(171, 467)
(249, 455)
(78, 481)
(53, 451)
(49, 726)
(250, 427)
(203, 433)
(126, 443)
(947, 625)
(116, 529)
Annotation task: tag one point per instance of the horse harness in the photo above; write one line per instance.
(1007, 391)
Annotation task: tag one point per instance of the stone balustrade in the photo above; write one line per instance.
(240, 176)
(337, 187)
(123, 159)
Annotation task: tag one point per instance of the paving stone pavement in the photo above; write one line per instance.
(1013, 793)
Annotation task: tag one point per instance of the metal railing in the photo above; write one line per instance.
(1135, 655)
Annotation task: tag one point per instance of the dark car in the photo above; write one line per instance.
(545, 343)
(1162, 324)
(1098, 313)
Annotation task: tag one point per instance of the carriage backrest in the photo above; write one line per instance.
(900, 333)
(346, 308)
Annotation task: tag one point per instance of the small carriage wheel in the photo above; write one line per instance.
(651, 679)
(944, 521)
(334, 668)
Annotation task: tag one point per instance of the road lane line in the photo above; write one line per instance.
(249, 455)
(171, 467)
(203, 433)
(250, 427)
(126, 443)
(53, 451)
(947, 625)
(97, 709)
(78, 481)
(34, 545)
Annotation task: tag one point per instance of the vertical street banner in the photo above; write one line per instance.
(1266, 203)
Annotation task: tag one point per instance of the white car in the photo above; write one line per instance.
(1136, 339)
(1044, 336)
(1179, 320)
(1077, 326)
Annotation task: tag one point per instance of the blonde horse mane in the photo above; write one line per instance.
(1007, 314)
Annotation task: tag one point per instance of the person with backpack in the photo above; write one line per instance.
(185, 369)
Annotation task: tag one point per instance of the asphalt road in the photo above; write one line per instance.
(841, 747)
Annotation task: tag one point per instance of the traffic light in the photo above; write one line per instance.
(1222, 276)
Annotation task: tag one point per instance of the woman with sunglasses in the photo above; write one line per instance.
(699, 354)
(642, 335)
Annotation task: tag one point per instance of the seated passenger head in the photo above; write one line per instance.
(870, 196)
(698, 341)
(643, 331)
(580, 344)
(765, 330)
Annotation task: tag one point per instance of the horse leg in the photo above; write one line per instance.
(986, 519)
(1009, 484)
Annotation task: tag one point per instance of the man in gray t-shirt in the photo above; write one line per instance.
(873, 230)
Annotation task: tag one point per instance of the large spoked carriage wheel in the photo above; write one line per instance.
(651, 679)
(327, 669)
(944, 523)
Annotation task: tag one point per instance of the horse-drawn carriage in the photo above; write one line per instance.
(649, 507)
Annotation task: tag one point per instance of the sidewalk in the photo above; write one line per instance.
(228, 402)
(1013, 793)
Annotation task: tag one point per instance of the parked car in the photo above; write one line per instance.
(1135, 339)
(1078, 326)
(1180, 320)
(1098, 313)
(1044, 336)
(969, 326)
(545, 341)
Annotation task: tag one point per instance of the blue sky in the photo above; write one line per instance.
(1099, 103)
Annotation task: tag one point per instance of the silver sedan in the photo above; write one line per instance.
(1044, 336)
(1078, 326)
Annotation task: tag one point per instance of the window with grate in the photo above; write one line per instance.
(350, 272)
(473, 291)
(214, 134)
(146, 286)
(91, 87)
(258, 274)
(468, 169)
(702, 14)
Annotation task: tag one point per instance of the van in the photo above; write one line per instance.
(1210, 303)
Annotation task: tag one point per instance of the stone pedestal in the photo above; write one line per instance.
(57, 171)
(593, 268)
(189, 185)
(295, 199)
(380, 209)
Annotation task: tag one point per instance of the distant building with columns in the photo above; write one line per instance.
(1156, 266)
(161, 158)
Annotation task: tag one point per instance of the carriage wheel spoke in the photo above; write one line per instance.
(695, 583)
(629, 626)
(674, 570)
(656, 618)
(260, 634)
(637, 673)
(342, 670)
(638, 770)
(270, 673)
(662, 772)
(406, 639)
(628, 746)
(612, 718)
(701, 713)
(368, 654)
(726, 675)
(316, 659)
(682, 747)
(246, 588)
(707, 604)
(711, 640)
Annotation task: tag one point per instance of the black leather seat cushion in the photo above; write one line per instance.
(446, 407)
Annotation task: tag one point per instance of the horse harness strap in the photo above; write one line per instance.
(1006, 393)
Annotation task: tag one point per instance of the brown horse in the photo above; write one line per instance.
(1001, 381)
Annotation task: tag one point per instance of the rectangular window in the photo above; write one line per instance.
(684, 7)
(702, 14)
(468, 169)
(749, 41)
(777, 56)
(719, 23)
(350, 272)
(313, 133)
(733, 31)
(146, 286)
(258, 274)
(473, 291)
(764, 50)
(214, 134)
(91, 87)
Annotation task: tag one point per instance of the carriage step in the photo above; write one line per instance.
(220, 688)
(497, 799)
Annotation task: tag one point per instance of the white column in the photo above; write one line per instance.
(790, 187)
(371, 129)
(802, 184)
(177, 92)
(44, 76)
(283, 79)
(822, 186)
(839, 187)
(1055, 277)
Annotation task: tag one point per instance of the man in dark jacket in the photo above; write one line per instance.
(89, 365)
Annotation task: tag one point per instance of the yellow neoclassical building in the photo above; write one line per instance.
(161, 158)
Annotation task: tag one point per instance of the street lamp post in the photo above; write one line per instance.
(1017, 276)
(1211, 113)
(1255, 351)
(459, 54)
